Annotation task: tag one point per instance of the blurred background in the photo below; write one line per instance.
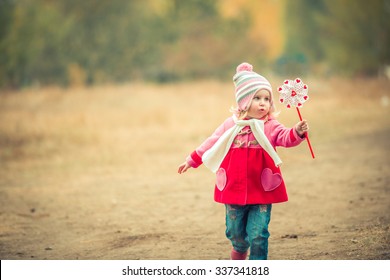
(96, 41)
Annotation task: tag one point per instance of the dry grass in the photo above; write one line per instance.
(105, 123)
(106, 149)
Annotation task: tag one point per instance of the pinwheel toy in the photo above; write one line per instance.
(293, 93)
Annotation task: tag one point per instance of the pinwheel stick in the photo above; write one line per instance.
(307, 135)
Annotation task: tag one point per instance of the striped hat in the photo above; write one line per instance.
(247, 83)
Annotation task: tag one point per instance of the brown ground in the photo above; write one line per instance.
(91, 174)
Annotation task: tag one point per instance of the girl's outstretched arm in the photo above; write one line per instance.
(183, 167)
(195, 158)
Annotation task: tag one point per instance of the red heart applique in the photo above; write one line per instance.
(305, 86)
(298, 80)
(288, 106)
(269, 180)
(280, 89)
(285, 82)
(293, 93)
(305, 97)
(281, 100)
(221, 179)
(299, 104)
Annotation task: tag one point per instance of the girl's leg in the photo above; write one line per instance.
(236, 222)
(259, 217)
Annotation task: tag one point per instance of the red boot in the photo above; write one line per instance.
(234, 255)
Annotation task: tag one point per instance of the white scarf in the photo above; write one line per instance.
(213, 157)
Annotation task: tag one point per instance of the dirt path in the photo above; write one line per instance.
(96, 179)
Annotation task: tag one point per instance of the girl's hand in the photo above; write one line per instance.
(302, 127)
(183, 167)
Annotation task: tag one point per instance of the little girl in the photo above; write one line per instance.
(242, 153)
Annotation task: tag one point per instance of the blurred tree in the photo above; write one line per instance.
(211, 42)
(31, 43)
(355, 35)
(302, 28)
(95, 41)
(265, 24)
(7, 8)
(190, 53)
(108, 38)
(350, 36)
(99, 41)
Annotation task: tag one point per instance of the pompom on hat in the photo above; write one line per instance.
(247, 83)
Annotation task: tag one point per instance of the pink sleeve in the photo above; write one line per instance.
(283, 136)
(195, 159)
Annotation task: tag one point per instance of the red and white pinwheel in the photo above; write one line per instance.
(293, 93)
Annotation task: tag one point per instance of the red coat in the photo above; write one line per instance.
(247, 174)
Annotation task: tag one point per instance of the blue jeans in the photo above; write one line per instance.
(247, 227)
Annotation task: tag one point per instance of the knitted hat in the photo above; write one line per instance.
(247, 83)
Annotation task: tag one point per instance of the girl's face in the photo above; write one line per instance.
(260, 106)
